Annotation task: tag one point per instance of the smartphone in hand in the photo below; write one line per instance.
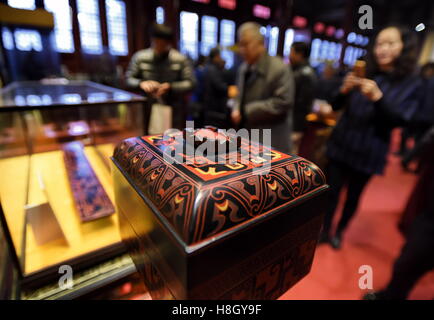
(359, 69)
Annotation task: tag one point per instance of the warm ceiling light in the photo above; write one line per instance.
(319, 27)
(339, 33)
(330, 31)
(261, 11)
(299, 22)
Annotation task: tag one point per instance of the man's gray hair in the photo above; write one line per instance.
(252, 27)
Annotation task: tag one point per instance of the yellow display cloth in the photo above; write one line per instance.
(82, 238)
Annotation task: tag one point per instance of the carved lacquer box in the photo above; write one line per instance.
(203, 229)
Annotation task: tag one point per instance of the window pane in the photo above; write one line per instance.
(338, 52)
(27, 40)
(324, 50)
(8, 40)
(351, 37)
(315, 52)
(209, 34)
(289, 39)
(62, 24)
(22, 4)
(227, 39)
(117, 28)
(359, 40)
(266, 32)
(273, 41)
(352, 54)
(89, 23)
(332, 51)
(159, 14)
(189, 34)
(365, 41)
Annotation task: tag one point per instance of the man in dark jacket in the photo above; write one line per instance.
(216, 91)
(163, 73)
(305, 83)
(266, 89)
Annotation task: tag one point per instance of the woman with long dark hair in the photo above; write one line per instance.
(387, 98)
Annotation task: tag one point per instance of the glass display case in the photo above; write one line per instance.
(6, 269)
(56, 192)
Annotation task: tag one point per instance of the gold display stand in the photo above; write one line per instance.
(81, 238)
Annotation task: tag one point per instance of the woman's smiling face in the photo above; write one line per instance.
(388, 47)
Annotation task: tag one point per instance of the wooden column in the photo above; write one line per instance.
(73, 61)
(283, 16)
(348, 27)
(103, 24)
(171, 18)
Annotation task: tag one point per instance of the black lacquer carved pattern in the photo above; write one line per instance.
(270, 272)
(90, 198)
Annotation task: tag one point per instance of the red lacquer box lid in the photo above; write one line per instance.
(204, 198)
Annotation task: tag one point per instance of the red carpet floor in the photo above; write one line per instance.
(371, 239)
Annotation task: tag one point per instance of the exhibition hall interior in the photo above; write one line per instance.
(216, 150)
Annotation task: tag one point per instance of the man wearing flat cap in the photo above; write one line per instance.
(163, 73)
